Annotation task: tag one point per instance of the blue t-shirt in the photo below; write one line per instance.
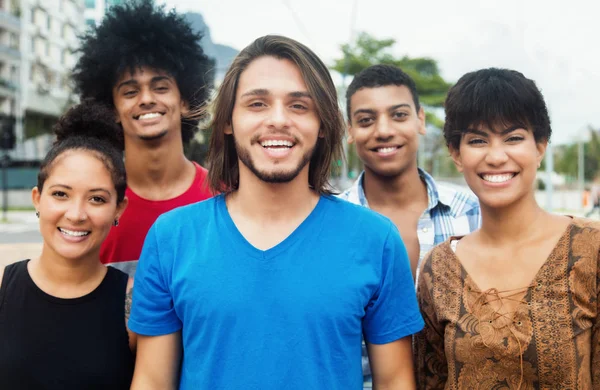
(291, 316)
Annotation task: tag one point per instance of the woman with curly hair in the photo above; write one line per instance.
(63, 314)
(149, 66)
(513, 305)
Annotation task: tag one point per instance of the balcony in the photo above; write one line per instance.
(9, 21)
(7, 88)
(7, 52)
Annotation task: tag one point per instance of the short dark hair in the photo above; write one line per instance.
(89, 126)
(140, 34)
(376, 76)
(222, 156)
(495, 97)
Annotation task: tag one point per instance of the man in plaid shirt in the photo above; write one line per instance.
(385, 121)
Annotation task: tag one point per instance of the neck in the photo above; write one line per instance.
(399, 191)
(64, 274)
(159, 165)
(505, 225)
(263, 201)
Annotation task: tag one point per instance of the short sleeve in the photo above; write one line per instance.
(152, 311)
(393, 312)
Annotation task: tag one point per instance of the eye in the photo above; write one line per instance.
(98, 199)
(256, 104)
(366, 121)
(515, 138)
(162, 89)
(130, 93)
(59, 194)
(399, 115)
(298, 106)
(476, 141)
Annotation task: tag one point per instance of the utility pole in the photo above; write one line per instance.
(549, 171)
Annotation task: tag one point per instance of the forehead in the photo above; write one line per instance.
(74, 165)
(381, 98)
(142, 74)
(278, 76)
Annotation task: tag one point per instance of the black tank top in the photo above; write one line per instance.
(54, 343)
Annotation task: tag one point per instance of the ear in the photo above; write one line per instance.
(184, 107)
(422, 122)
(455, 154)
(35, 198)
(228, 129)
(541, 150)
(350, 138)
(121, 207)
(117, 117)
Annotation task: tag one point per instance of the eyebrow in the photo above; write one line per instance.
(70, 188)
(265, 92)
(154, 79)
(373, 112)
(484, 134)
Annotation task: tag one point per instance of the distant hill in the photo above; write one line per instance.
(223, 54)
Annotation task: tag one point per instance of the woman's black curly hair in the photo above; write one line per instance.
(141, 34)
(89, 126)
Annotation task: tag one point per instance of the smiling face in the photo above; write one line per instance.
(385, 127)
(77, 205)
(499, 166)
(148, 105)
(274, 121)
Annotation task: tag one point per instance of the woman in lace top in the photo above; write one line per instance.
(513, 305)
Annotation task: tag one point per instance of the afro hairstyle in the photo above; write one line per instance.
(141, 34)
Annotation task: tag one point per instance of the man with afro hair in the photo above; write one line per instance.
(148, 65)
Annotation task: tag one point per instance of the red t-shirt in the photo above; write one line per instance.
(124, 242)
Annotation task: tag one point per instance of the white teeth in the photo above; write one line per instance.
(386, 150)
(268, 143)
(73, 233)
(498, 178)
(149, 115)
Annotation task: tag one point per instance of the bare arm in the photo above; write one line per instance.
(128, 298)
(392, 365)
(157, 362)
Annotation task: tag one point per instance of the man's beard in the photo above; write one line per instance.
(275, 176)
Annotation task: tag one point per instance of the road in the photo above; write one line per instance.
(19, 237)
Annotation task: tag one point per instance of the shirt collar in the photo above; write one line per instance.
(441, 195)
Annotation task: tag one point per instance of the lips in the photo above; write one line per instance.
(148, 115)
(74, 233)
(497, 177)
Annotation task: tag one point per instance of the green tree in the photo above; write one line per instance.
(567, 158)
(431, 87)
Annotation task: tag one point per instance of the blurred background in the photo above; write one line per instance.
(434, 41)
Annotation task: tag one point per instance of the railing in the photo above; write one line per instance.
(9, 20)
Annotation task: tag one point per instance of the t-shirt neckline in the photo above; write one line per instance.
(311, 223)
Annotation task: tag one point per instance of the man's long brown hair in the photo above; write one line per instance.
(222, 156)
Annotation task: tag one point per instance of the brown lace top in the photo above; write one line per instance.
(550, 341)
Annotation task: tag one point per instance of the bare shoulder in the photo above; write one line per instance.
(129, 285)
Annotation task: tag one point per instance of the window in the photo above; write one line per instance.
(90, 4)
(90, 22)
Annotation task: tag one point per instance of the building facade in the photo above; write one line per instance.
(37, 43)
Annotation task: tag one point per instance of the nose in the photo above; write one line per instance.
(278, 117)
(146, 97)
(76, 211)
(383, 130)
(496, 155)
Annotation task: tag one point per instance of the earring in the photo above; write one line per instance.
(37, 214)
(116, 223)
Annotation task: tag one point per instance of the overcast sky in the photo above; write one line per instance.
(555, 43)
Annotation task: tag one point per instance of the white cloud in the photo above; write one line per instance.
(551, 42)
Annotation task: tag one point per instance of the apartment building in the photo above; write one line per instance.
(37, 43)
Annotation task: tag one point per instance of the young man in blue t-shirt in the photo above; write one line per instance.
(273, 283)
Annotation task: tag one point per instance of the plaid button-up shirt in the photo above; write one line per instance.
(451, 211)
